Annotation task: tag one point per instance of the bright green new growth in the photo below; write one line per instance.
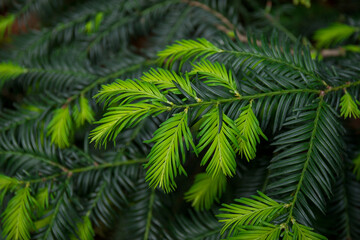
(333, 34)
(165, 156)
(215, 74)
(306, 3)
(9, 71)
(6, 184)
(220, 132)
(63, 123)
(84, 114)
(122, 92)
(131, 101)
(162, 78)
(186, 49)
(42, 198)
(352, 48)
(85, 230)
(5, 24)
(266, 232)
(252, 211)
(60, 127)
(349, 107)
(206, 190)
(17, 217)
(250, 130)
(254, 218)
(92, 26)
(169, 80)
(302, 232)
(119, 118)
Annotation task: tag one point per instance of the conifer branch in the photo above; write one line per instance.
(214, 99)
(307, 161)
(248, 97)
(71, 172)
(35, 156)
(343, 86)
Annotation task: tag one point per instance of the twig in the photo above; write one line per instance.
(228, 25)
(335, 52)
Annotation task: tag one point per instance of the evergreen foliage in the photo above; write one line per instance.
(140, 119)
(334, 34)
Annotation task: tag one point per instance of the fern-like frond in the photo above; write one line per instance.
(108, 196)
(60, 127)
(118, 118)
(302, 232)
(170, 80)
(84, 231)
(10, 71)
(185, 50)
(299, 66)
(220, 132)
(308, 159)
(334, 34)
(273, 109)
(161, 77)
(42, 198)
(62, 218)
(206, 190)
(147, 217)
(165, 156)
(29, 152)
(128, 91)
(215, 74)
(343, 213)
(17, 217)
(349, 107)
(250, 130)
(252, 211)
(267, 232)
(82, 112)
(6, 184)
